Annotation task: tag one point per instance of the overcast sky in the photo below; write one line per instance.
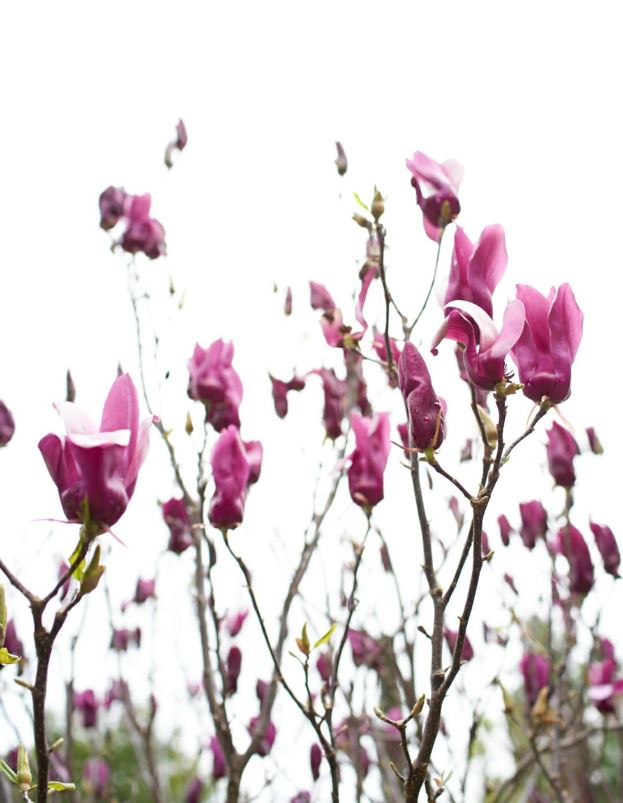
(526, 95)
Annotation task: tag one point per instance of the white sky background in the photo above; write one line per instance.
(527, 96)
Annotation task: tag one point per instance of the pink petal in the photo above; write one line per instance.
(488, 332)
(121, 407)
(96, 440)
(565, 323)
(512, 327)
(75, 419)
(490, 258)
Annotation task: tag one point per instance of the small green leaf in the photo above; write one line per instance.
(6, 770)
(7, 658)
(360, 202)
(78, 572)
(303, 642)
(325, 639)
(92, 574)
(57, 786)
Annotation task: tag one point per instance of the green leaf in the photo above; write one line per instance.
(78, 572)
(7, 658)
(303, 642)
(325, 639)
(360, 202)
(57, 786)
(6, 770)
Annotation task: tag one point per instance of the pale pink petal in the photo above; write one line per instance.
(75, 419)
(512, 327)
(488, 332)
(454, 170)
(565, 323)
(490, 258)
(96, 440)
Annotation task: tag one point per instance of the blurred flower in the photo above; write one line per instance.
(533, 522)
(536, 670)
(467, 653)
(368, 461)
(122, 638)
(112, 203)
(86, 703)
(593, 441)
(341, 162)
(179, 524)
(477, 269)
(505, 529)
(235, 621)
(321, 298)
(570, 543)
(213, 381)
(365, 650)
(335, 391)
(11, 640)
(561, 449)
(315, 759)
(436, 189)
(281, 390)
(231, 471)
(219, 765)
(95, 469)
(194, 791)
(267, 741)
(287, 304)
(95, 776)
(603, 685)
(233, 665)
(143, 233)
(145, 589)
(7, 424)
(324, 665)
(608, 548)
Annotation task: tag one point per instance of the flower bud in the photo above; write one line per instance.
(378, 206)
(341, 162)
(24, 776)
(7, 424)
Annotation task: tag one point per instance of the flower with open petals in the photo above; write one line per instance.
(549, 342)
(476, 269)
(95, 468)
(436, 189)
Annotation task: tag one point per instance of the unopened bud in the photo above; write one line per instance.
(417, 708)
(70, 391)
(189, 428)
(93, 573)
(341, 162)
(489, 427)
(24, 776)
(378, 205)
(360, 220)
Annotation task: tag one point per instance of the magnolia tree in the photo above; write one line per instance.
(351, 680)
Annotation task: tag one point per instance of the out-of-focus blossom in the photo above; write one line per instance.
(570, 542)
(95, 468)
(484, 543)
(485, 349)
(321, 298)
(467, 653)
(122, 638)
(436, 189)
(549, 342)
(95, 777)
(603, 685)
(424, 409)
(213, 381)
(179, 524)
(510, 582)
(365, 650)
(467, 451)
(341, 162)
(255, 455)
(118, 691)
(368, 273)
(606, 648)
(63, 569)
(335, 392)
(301, 797)
(533, 522)
(368, 461)
(268, 739)
(477, 269)
(315, 759)
(12, 641)
(231, 471)
(86, 703)
(112, 203)
(234, 622)
(357, 388)
(561, 449)
(261, 689)
(178, 144)
(7, 424)
(608, 548)
(219, 765)
(324, 665)
(281, 390)
(145, 589)
(535, 670)
(143, 234)
(233, 665)
(593, 441)
(505, 529)
(287, 304)
(194, 791)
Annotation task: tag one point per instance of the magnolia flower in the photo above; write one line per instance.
(485, 348)
(533, 522)
(95, 468)
(231, 470)
(561, 449)
(219, 765)
(86, 703)
(424, 409)
(268, 739)
(368, 461)
(281, 390)
(451, 636)
(570, 543)
(477, 269)
(548, 343)
(180, 526)
(213, 381)
(7, 424)
(436, 189)
(536, 670)
(608, 547)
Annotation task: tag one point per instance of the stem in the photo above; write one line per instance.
(430, 289)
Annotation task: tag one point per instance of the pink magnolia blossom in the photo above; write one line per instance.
(366, 651)
(268, 740)
(315, 759)
(7, 424)
(436, 189)
(477, 269)
(485, 348)
(235, 622)
(335, 392)
(178, 144)
(11, 640)
(255, 456)
(122, 638)
(233, 666)
(145, 589)
(451, 636)
(379, 346)
(219, 765)
(143, 233)
(86, 703)
(112, 203)
(281, 390)
(321, 298)
(536, 671)
(549, 342)
(213, 381)
(368, 461)
(570, 542)
(561, 449)
(261, 690)
(608, 547)
(179, 524)
(231, 470)
(603, 685)
(194, 791)
(505, 529)
(324, 664)
(95, 468)
(533, 522)
(593, 441)
(95, 776)
(425, 410)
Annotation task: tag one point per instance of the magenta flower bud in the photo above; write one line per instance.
(467, 653)
(219, 765)
(281, 390)
(335, 392)
(606, 648)
(181, 137)
(213, 381)
(508, 579)
(535, 670)
(118, 691)
(424, 409)
(194, 791)
(287, 304)
(403, 434)
(255, 454)
(608, 548)
(232, 670)
(486, 349)
(179, 524)
(11, 639)
(324, 665)
(123, 638)
(321, 298)
(86, 703)
(604, 687)
(533, 522)
(561, 449)
(570, 543)
(549, 342)
(505, 529)
(95, 468)
(261, 689)
(436, 190)
(95, 776)
(477, 269)
(145, 589)
(365, 650)
(380, 347)
(341, 162)
(593, 441)
(301, 797)
(267, 741)
(7, 424)
(143, 234)
(112, 204)
(368, 461)
(231, 472)
(234, 623)
(315, 759)
(485, 543)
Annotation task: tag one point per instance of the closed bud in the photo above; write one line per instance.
(378, 205)
(188, 427)
(70, 388)
(24, 776)
(417, 708)
(341, 162)
(489, 427)
(92, 574)
(360, 220)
